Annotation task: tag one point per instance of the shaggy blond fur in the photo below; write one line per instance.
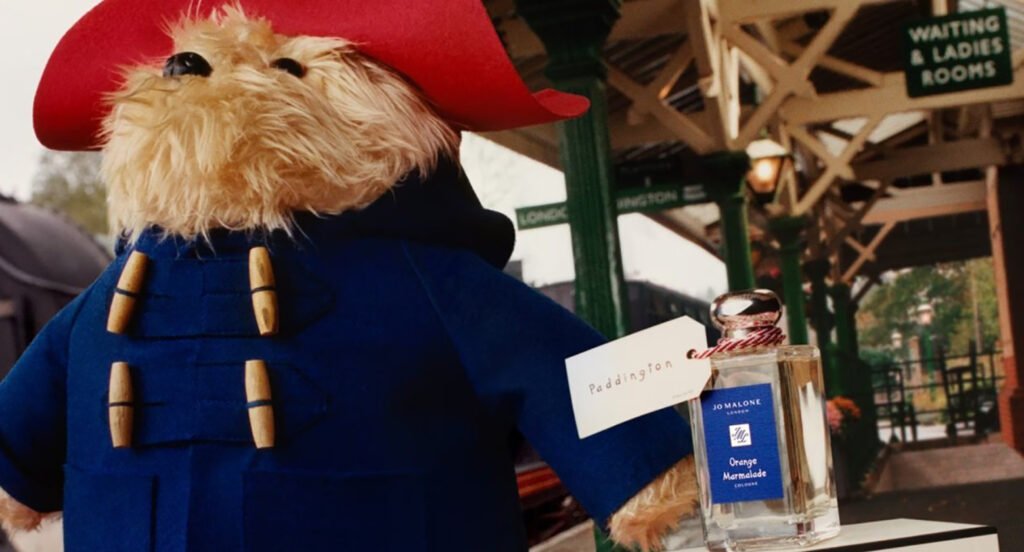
(657, 509)
(247, 146)
(16, 517)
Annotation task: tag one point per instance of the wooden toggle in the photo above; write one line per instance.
(264, 294)
(121, 405)
(259, 403)
(126, 294)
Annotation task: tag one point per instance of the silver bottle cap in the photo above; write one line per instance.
(742, 312)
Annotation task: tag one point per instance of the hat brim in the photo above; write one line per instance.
(447, 48)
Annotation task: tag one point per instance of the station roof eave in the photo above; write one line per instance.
(848, 121)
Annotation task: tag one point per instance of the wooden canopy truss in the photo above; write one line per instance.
(692, 77)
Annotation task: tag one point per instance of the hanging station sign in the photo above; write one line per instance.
(629, 200)
(957, 52)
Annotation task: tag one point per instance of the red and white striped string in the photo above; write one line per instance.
(759, 338)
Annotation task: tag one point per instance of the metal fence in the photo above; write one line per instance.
(957, 392)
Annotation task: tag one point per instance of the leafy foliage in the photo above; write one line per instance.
(69, 183)
(952, 289)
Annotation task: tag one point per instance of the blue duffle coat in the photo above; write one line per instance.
(405, 361)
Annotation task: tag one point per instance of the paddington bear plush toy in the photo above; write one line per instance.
(306, 341)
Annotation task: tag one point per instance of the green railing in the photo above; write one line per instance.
(958, 392)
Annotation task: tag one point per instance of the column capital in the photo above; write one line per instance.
(788, 229)
(817, 269)
(726, 173)
(841, 291)
(573, 33)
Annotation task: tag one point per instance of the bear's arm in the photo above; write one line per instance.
(513, 343)
(33, 417)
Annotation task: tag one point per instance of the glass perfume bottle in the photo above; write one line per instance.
(761, 438)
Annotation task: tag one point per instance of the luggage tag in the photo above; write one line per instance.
(637, 374)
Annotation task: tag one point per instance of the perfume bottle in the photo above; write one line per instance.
(761, 438)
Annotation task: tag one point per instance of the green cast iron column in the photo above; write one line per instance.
(727, 171)
(791, 248)
(865, 384)
(861, 443)
(845, 336)
(822, 320)
(573, 32)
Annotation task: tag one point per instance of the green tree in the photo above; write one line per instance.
(69, 183)
(956, 291)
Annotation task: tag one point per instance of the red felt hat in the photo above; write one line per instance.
(448, 48)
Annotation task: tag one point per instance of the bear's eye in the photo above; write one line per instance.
(289, 65)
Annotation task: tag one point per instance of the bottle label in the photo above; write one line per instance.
(742, 444)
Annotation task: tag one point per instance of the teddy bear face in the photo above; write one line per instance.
(242, 127)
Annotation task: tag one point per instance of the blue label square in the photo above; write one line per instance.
(742, 444)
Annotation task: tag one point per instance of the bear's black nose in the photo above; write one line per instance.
(187, 63)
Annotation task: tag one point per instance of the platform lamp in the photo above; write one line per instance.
(767, 161)
(897, 340)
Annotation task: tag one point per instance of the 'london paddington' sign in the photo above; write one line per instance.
(957, 52)
(632, 200)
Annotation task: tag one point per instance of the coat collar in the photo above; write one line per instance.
(441, 209)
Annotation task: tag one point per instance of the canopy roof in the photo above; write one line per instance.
(825, 79)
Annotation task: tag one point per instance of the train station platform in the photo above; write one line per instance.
(930, 468)
(976, 483)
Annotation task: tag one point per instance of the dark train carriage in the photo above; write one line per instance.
(45, 261)
(649, 305)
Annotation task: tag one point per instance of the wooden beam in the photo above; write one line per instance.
(861, 249)
(626, 134)
(638, 19)
(891, 97)
(666, 79)
(873, 280)
(792, 78)
(936, 136)
(679, 124)
(875, 185)
(892, 144)
(834, 166)
(840, 66)
(767, 60)
(995, 224)
(929, 201)
(935, 158)
(816, 147)
(746, 11)
(687, 227)
(756, 72)
(868, 252)
(539, 143)
(706, 44)
(856, 221)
